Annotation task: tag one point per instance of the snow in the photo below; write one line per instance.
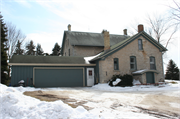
(137, 88)
(15, 105)
(176, 105)
(135, 82)
(21, 81)
(116, 82)
(140, 71)
(87, 59)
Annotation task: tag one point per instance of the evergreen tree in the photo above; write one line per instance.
(172, 71)
(56, 50)
(4, 65)
(18, 50)
(30, 48)
(39, 50)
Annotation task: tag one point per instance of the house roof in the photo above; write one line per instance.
(29, 59)
(90, 39)
(125, 42)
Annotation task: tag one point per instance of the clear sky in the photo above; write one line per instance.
(44, 21)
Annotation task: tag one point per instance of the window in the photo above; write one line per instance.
(133, 63)
(69, 52)
(152, 63)
(140, 44)
(116, 67)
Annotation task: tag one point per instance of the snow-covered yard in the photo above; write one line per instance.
(99, 101)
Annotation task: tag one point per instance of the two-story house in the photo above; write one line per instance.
(139, 55)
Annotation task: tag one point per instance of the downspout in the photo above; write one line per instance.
(97, 65)
(73, 50)
(163, 65)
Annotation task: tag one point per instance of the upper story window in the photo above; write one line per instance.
(116, 65)
(152, 63)
(140, 45)
(133, 63)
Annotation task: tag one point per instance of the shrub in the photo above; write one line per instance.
(126, 80)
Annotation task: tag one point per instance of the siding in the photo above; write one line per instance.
(23, 72)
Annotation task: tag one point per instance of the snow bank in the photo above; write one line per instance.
(15, 105)
(163, 87)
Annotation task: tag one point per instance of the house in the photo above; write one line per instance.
(139, 55)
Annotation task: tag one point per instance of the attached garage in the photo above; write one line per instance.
(51, 71)
(58, 77)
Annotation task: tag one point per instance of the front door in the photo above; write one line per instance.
(149, 77)
(90, 76)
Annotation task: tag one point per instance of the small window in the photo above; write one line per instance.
(152, 63)
(140, 45)
(116, 67)
(133, 63)
(90, 72)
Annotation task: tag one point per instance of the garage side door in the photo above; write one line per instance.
(58, 77)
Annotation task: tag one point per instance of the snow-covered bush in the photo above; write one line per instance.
(121, 80)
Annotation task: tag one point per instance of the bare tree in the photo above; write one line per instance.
(175, 12)
(13, 35)
(161, 26)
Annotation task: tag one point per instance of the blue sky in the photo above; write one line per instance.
(44, 21)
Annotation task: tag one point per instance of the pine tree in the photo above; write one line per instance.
(172, 71)
(18, 50)
(30, 48)
(39, 50)
(56, 50)
(4, 65)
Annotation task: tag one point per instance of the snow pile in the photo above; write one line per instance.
(135, 82)
(15, 105)
(116, 81)
(163, 87)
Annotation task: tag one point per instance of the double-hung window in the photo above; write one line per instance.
(140, 45)
(152, 63)
(116, 66)
(133, 63)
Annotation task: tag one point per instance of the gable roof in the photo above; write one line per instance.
(90, 39)
(29, 59)
(125, 42)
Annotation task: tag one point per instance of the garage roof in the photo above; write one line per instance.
(46, 59)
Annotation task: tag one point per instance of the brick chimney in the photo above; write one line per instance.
(106, 40)
(140, 28)
(125, 31)
(69, 27)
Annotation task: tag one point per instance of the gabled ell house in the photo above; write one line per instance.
(139, 55)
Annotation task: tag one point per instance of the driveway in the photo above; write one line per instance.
(159, 104)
